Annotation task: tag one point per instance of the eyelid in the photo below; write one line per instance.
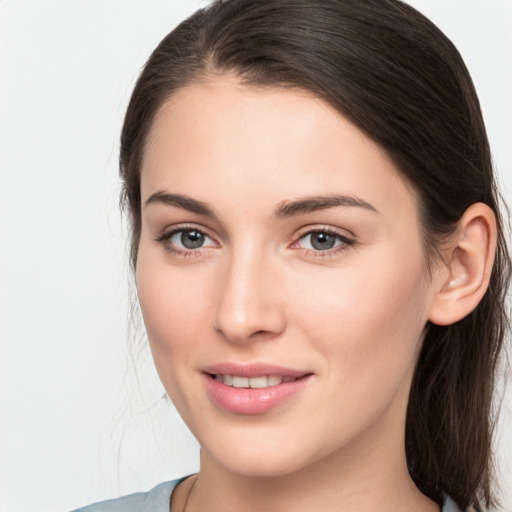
(171, 230)
(322, 228)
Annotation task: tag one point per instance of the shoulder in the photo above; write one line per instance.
(155, 500)
(449, 505)
(158, 498)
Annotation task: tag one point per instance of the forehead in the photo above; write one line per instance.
(218, 138)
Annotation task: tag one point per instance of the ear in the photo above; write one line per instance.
(463, 276)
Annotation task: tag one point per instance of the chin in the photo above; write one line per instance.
(263, 453)
(262, 465)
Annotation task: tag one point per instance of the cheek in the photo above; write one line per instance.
(174, 315)
(174, 309)
(368, 319)
(367, 326)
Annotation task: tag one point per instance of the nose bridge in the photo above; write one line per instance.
(247, 303)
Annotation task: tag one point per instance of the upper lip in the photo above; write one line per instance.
(253, 370)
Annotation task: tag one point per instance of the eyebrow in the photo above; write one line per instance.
(286, 209)
(314, 203)
(180, 201)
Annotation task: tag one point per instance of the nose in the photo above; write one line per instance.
(248, 305)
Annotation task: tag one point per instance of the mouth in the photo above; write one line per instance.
(254, 389)
(259, 382)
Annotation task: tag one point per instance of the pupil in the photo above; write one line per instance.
(192, 239)
(323, 241)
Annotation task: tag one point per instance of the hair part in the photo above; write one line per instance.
(398, 78)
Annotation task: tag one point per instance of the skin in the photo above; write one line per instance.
(257, 291)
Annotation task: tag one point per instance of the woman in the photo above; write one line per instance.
(319, 258)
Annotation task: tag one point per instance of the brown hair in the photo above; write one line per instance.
(398, 78)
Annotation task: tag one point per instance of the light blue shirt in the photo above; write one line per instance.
(158, 499)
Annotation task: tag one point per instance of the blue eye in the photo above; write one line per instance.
(189, 239)
(184, 240)
(323, 240)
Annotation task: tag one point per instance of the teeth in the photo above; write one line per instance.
(253, 382)
(258, 382)
(274, 380)
(240, 382)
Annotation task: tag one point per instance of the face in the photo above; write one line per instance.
(281, 277)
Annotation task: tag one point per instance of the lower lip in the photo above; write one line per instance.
(252, 401)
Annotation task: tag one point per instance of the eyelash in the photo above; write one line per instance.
(346, 242)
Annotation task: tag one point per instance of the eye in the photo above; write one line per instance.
(186, 240)
(322, 240)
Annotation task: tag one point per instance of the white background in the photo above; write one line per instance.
(75, 425)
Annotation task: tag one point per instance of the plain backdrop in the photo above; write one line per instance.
(76, 425)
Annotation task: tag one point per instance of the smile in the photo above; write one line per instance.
(253, 389)
(260, 382)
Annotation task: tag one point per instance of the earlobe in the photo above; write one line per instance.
(467, 266)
